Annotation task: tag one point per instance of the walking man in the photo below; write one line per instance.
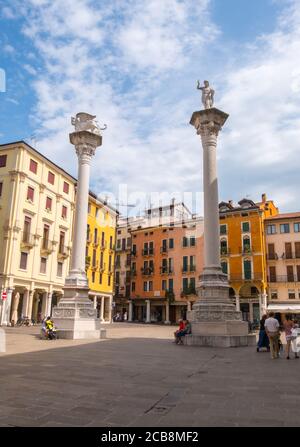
(272, 330)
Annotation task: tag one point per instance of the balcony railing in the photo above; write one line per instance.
(166, 271)
(47, 245)
(96, 241)
(63, 251)
(147, 271)
(246, 250)
(94, 265)
(283, 278)
(188, 268)
(102, 245)
(133, 273)
(102, 267)
(188, 291)
(246, 277)
(291, 255)
(164, 250)
(224, 251)
(27, 239)
(133, 253)
(149, 252)
(272, 256)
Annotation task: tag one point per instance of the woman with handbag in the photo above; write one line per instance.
(290, 335)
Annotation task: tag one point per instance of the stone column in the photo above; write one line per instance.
(110, 300)
(167, 320)
(49, 304)
(102, 309)
(251, 311)
(25, 303)
(30, 304)
(15, 305)
(75, 314)
(130, 311)
(95, 302)
(215, 321)
(148, 312)
(189, 306)
(6, 308)
(237, 303)
(44, 305)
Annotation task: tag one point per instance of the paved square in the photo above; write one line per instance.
(138, 377)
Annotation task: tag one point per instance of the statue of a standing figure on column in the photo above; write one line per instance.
(207, 94)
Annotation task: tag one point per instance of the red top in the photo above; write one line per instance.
(181, 325)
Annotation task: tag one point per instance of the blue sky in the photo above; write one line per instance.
(135, 64)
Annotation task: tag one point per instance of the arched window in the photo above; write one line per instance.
(246, 245)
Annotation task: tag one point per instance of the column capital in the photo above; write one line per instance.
(209, 122)
(85, 144)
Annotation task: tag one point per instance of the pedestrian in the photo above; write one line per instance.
(263, 340)
(288, 326)
(181, 327)
(272, 330)
(187, 330)
(125, 316)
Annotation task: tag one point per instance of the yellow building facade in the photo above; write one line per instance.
(37, 201)
(100, 255)
(243, 253)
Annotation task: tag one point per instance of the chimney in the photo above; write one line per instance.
(264, 198)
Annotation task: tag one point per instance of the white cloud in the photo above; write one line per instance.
(8, 49)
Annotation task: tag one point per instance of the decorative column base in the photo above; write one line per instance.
(75, 316)
(215, 321)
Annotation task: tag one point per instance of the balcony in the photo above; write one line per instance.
(102, 267)
(133, 253)
(164, 250)
(103, 245)
(188, 268)
(149, 252)
(188, 291)
(291, 255)
(246, 250)
(272, 256)
(47, 246)
(94, 265)
(224, 251)
(283, 278)
(63, 251)
(166, 271)
(27, 240)
(147, 271)
(133, 273)
(249, 277)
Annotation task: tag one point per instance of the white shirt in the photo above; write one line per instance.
(271, 324)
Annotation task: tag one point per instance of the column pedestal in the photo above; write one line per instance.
(214, 318)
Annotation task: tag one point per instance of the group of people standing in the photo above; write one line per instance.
(270, 333)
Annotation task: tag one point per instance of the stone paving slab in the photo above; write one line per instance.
(138, 377)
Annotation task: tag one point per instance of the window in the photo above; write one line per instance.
(224, 249)
(171, 243)
(96, 236)
(185, 242)
(64, 212)
(150, 286)
(33, 166)
(51, 177)
(223, 229)
(192, 241)
(93, 276)
(110, 242)
(1, 184)
(43, 266)
(3, 161)
(89, 208)
(271, 229)
(46, 236)
(66, 188)
(171, 285)
(245, 227)
(298, 273)
(247, 269)
(164, 284)
(272, 272)
(297, 250)
(145, 286)
(284, 228)
(96, 212)
(224, 266)
(26, 230)
(23, 261)
(48, 203)
(290, 273)
(101, 260)
(274, 295)
(61, 247)
(59, 269)
(185, 261)
(185, 284)
(297, 227)
(133, 286)
(193, 285)
(291, 294)
(288, 250)
(109, 262)
(246, 245)
(271, 251)
(94, 258)
(30, 194)
(100, 278)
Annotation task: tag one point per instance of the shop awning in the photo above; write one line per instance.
(284, 307)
